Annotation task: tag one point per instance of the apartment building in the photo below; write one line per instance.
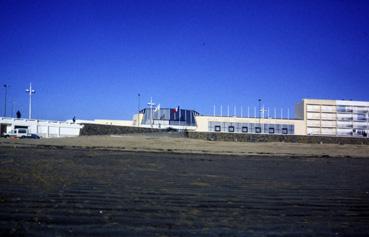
(334, 117)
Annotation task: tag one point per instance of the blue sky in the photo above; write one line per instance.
(90, 59)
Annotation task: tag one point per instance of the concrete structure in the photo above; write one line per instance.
(313, 117)
(249, 125)
(44, 128)
(166, 117)
(334, 117)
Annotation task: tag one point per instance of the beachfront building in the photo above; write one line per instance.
(313, 117)
(233, 124)
(176, 118)
(334, 117)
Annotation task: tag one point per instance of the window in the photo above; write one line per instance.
(271, 130)
(245, 129)
(284, 131)
(258, 129)
(217, 128)
(231, 129)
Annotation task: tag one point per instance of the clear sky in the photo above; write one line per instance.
(90, 59)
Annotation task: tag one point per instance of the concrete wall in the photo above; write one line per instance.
(212, 136)
(44, 128)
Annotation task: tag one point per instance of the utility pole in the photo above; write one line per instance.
(6, 94)
(30, 92)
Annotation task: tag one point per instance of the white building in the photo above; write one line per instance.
(44, 128)
(334, 117)
(313, 117)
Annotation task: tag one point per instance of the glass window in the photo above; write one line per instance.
(245, 129)
(284, 131)
(217, 128)
(258, 129)
(231, 129)
(271, 130)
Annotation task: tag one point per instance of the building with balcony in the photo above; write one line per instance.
(334, 117)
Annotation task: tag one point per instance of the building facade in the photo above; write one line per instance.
(334, 117)
(232, 124)
(167, 117)
(313, 117)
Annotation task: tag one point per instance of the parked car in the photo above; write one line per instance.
(21, 133)
(32, 136)
(18, 133)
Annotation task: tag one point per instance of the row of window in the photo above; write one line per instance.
(217, 128)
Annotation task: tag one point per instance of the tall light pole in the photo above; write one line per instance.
(151, 105)
(30, 92)
(259, 100)
(138, 110)
(6, 94)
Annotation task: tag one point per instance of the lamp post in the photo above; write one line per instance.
(6, 94)
(367, 124)
(138, 110)
(259, 100)
(30, 92)
(151, 105)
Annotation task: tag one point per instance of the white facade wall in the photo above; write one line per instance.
(43, 128)
(335, 117)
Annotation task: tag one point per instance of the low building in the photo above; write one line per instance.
(43, 128)
(167, 117)
(249, 125)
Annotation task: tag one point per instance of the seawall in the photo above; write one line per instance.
(95, 129)
(211, 136)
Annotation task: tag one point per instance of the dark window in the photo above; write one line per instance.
(231, 129)
(258, 129)
(245, 129)
(284, 131)
(271, 130)
(217, 128)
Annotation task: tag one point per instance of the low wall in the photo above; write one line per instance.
(97, 129)
(212, 136)
(100, 129)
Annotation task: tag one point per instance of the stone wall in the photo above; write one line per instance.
(97, 129)
(275, 138)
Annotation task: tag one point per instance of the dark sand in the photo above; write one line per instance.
(87, 192)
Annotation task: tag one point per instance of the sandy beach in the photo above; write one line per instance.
(93, 192)
(173, 144)
(140, 185)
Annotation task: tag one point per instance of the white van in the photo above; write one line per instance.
(18, 133)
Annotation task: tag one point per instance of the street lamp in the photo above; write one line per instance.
(138, 110)
(30, 92)
(151, 104)
(259, 100)
(6, 93)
